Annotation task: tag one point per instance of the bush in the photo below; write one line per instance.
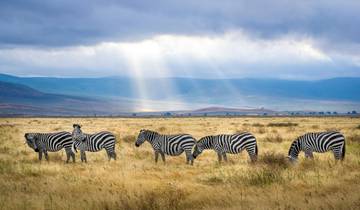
(282, 124)
(264, 177)
(162, 129)
(274, 138)
(257, 125)
(354, 138)
(261, 130)
(129, 139)
(274, 160)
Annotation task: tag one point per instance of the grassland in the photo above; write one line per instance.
(134, 181)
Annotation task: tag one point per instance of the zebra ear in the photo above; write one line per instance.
(76, 125)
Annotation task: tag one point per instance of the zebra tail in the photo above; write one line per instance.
(256, 149)
(343, 152)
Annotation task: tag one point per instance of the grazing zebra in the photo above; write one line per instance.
(93, 142)
(318, 142)
(50, 142)
(172, 145)
(232, 144)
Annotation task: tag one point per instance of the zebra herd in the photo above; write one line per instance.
(174, 145)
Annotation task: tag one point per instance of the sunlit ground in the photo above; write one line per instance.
(134, 181)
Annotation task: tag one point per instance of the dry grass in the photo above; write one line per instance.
(134, 181)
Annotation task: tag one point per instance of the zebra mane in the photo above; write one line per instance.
(149, 132)
(206, 138)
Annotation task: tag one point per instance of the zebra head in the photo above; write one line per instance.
(77, 134)
(294, 150)
(31, 141)
(141, 138)
(200, 146)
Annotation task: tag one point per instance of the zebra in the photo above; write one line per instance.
(172, 145)
(318, 142)
(93, 142)
(232, 144)
(43, 143)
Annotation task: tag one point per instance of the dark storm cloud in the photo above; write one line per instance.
(64, 23)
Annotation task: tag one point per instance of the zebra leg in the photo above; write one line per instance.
(109, 154)
(73, 156)
(114, 155)
(337, 153)
(252, 153)
(69, 153)
(189, 157)
(40, 155)
(162, 156)
(67, 157)
(219, 157)
(225, 158)
(156, 156)
(309, 154)
(83, 156)
(46, 155)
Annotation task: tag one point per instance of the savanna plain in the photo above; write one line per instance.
(134, 181)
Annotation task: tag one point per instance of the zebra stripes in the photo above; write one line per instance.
(50, 142)
(318, 142)
(93, 142)
(175, 145)
(232, 144)
(172, 145)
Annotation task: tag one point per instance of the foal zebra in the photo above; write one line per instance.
(172, 145)
(50, 142)
(318, 142)
(232, 144)
(93, 142)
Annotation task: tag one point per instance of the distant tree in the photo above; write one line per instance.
(321, 113)
(134, 114)
(189, 114)
(205, 114)
(329, 113)
(353, 112)
(167, 114)
(335, 113)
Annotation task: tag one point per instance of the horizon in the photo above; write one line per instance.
(195, 78)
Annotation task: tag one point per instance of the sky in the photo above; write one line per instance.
(307, 40)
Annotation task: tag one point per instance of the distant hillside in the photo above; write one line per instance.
(187, 88)
(19, 99)
(338, 94)
(225, 110)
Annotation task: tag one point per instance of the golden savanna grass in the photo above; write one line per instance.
(134, 181)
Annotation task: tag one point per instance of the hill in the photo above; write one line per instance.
(158, 94)
(17, 99)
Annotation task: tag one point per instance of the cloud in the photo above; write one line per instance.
(232, 54)
(64, 23)
(230, 38)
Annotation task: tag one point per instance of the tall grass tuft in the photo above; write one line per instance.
(129, 139)
(282, 124)
(273, 138)
(274, 160)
